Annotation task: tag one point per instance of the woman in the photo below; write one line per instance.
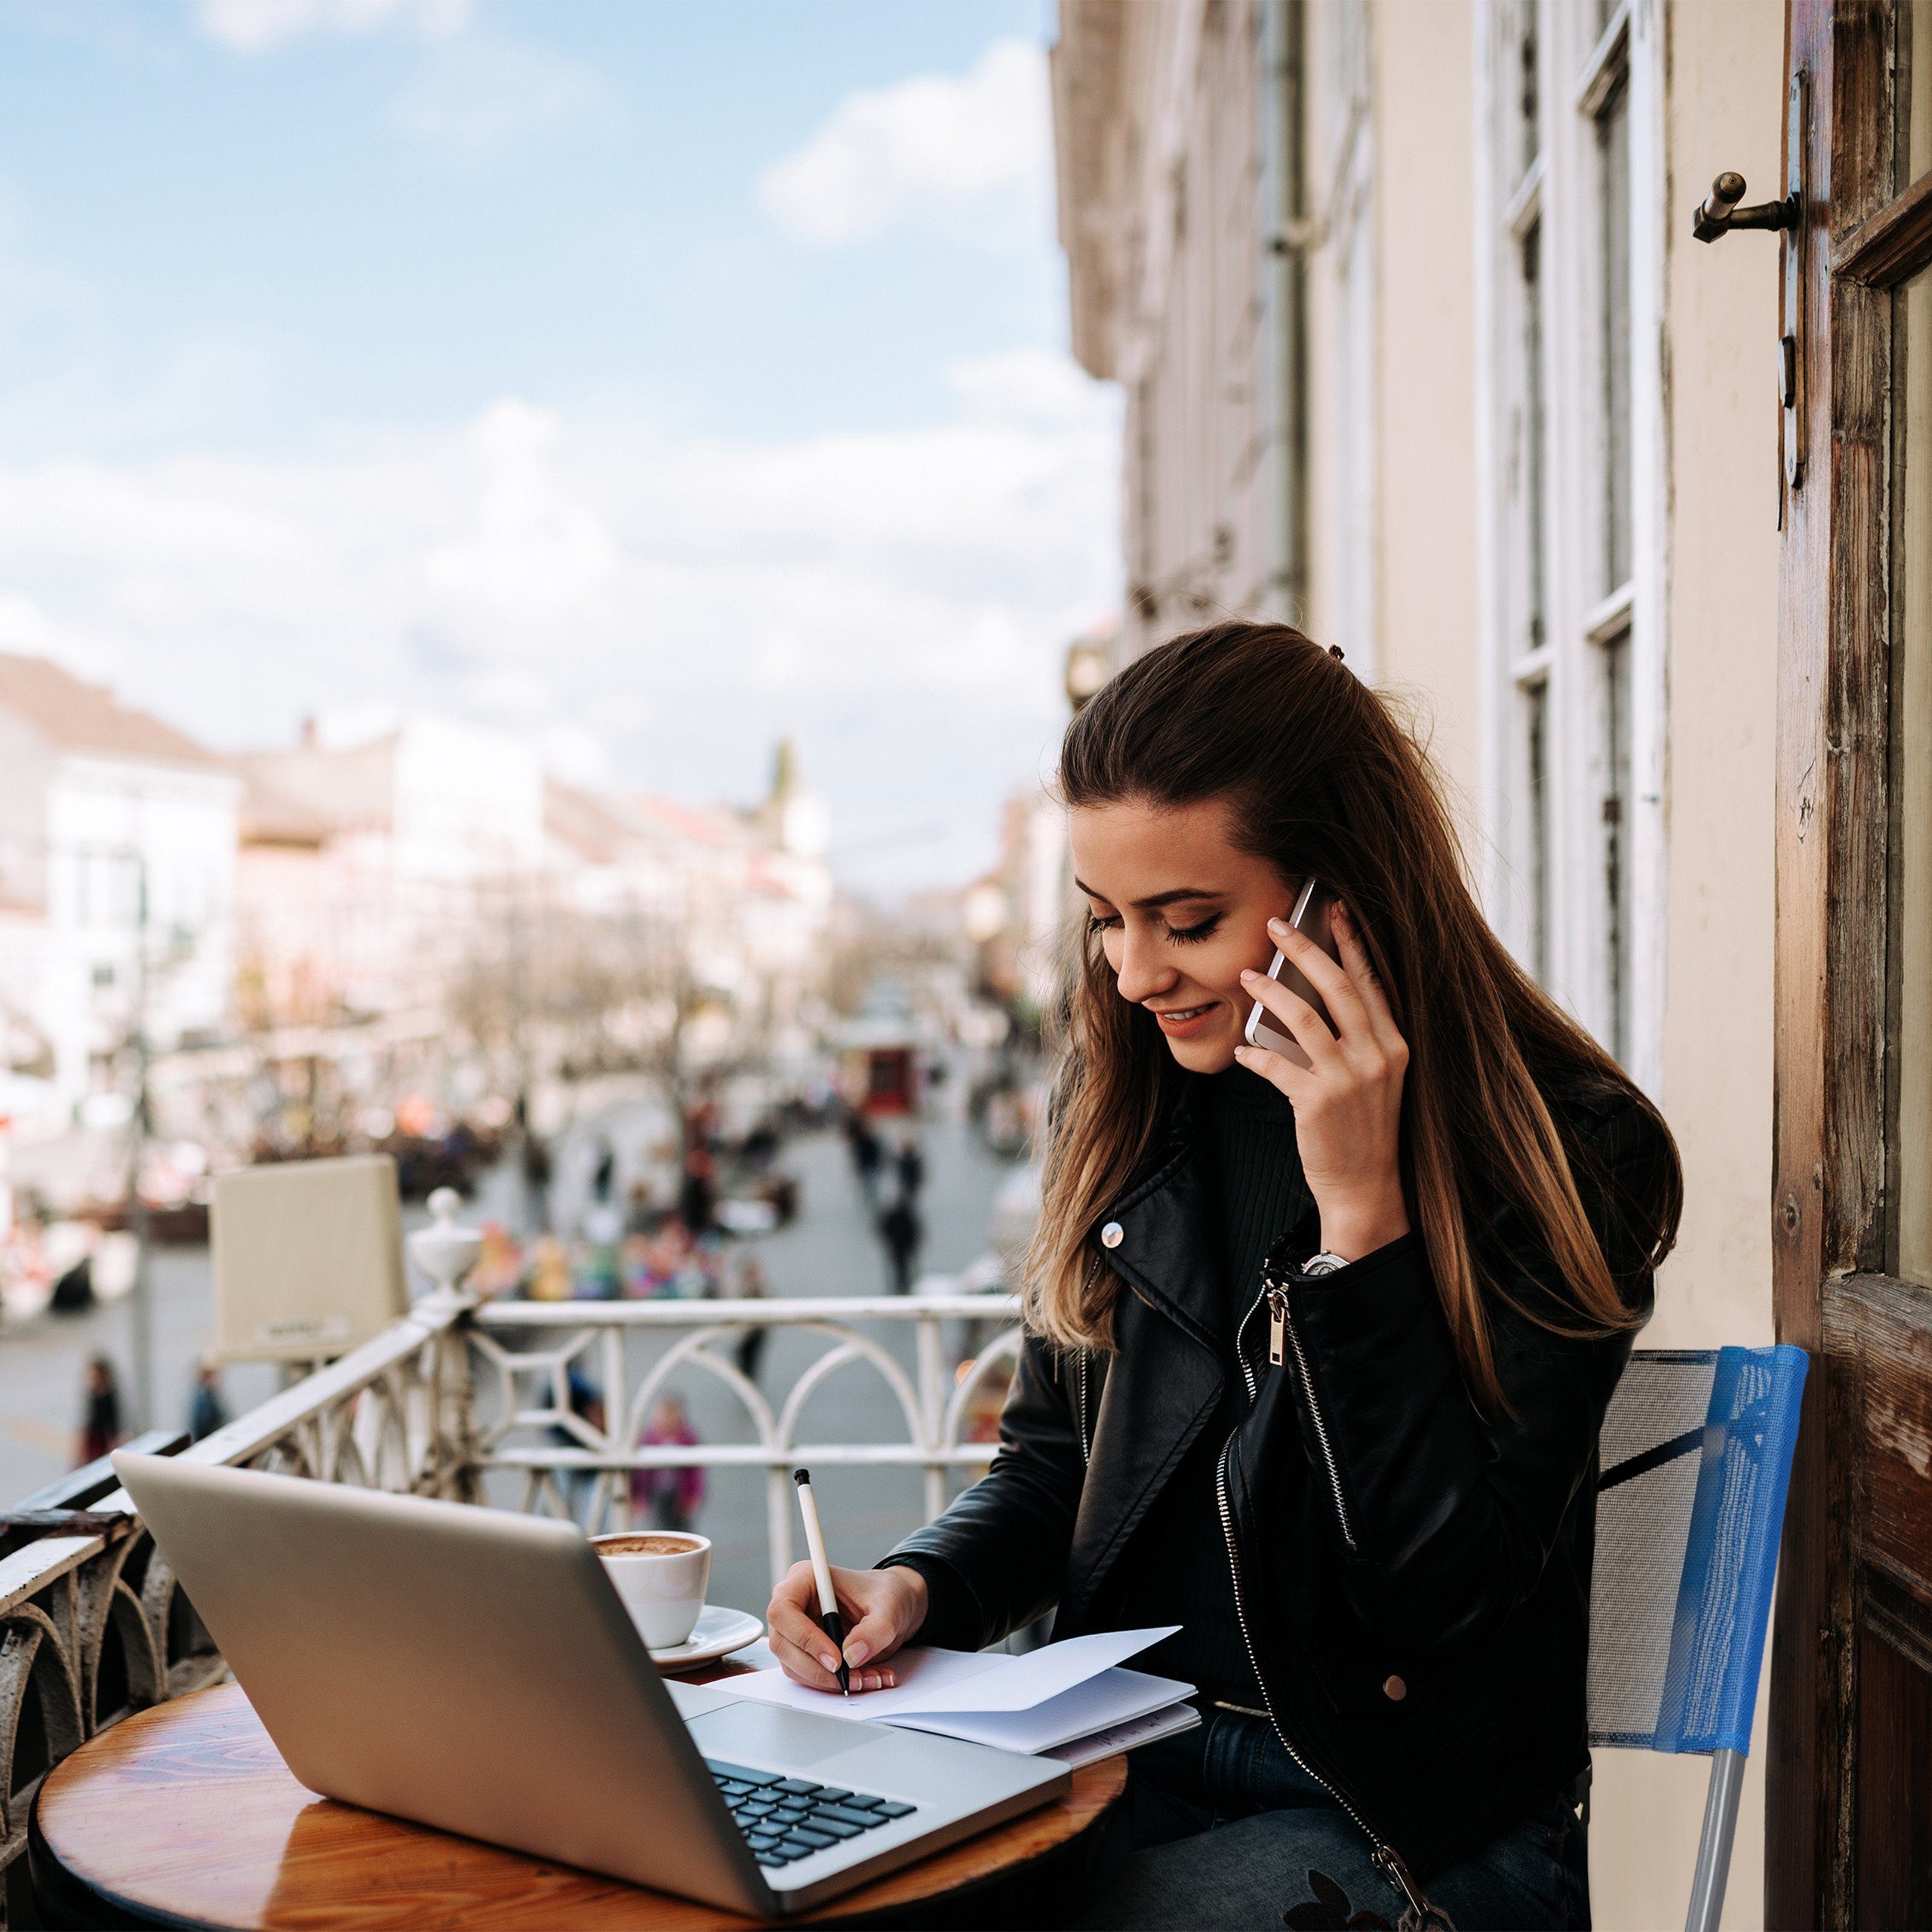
(672, 1497)
(1316, 1356)
(100, 1412)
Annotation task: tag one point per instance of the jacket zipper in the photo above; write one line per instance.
(1094, 1267)
(1241, 1332)
(1387, 1859)
(1281, 1328)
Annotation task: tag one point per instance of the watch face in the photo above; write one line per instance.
(1323, 1264)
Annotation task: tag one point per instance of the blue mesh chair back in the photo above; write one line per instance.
(1694, 1462)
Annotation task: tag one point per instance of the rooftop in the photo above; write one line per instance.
(77, 716)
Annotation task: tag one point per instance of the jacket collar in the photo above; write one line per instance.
(1166, 1251)
(1169, 1250)
(1168, 1258)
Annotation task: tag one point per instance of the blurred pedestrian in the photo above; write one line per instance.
(671, 1496)
(536, 1182)
(748, 1284)
(603, 1180)
(912, 1165)
(207, 1412)
(761, 1147)
(697, 1198)
(586, 1404)
(550, 1278)
(73, 1291)
(900, 1229)
(641, 1217)
(867, 1153)
(100, 1411)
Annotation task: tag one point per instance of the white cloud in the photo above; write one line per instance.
(660, 608)
(25, 628)
(254, 26)
(1036, 386)
(577, 754)
(971, 153)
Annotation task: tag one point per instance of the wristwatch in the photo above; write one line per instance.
(1323, 1263)
(1312, 1269)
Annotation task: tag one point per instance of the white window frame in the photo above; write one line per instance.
(1342, 408)
(1352, 173)
(1560, 195)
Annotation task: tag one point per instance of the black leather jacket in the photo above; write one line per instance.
(1413, 1576)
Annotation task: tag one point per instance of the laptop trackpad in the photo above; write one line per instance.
(764, 1730)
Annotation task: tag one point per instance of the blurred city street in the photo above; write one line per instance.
(830, 1249)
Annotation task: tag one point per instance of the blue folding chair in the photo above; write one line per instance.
(1695, 1458)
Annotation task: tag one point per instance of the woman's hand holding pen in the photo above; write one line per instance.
(1348, 1105)
(882, 1609)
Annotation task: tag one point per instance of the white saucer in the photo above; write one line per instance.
(717, 1632)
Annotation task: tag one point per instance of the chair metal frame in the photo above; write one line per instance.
(1754, 1555)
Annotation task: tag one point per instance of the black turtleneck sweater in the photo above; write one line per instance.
(1175, 1569)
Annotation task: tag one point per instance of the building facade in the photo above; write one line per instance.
(117, 887)
(434, 878)
(368, 867)
(1419, 351)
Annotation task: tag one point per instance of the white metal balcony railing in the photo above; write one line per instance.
(532, 1408)
(93, 1625)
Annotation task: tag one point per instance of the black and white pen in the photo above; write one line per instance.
(829, 1620)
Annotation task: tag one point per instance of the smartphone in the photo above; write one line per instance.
(1310, 916)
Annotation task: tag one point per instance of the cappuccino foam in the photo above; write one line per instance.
(626, 1545)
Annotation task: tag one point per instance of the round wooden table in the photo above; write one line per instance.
(185, 1815)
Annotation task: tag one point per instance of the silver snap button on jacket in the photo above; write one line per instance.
(1112, 1234)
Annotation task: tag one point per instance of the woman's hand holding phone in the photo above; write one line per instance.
(1347, 1101)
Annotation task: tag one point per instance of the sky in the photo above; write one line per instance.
(648, 377)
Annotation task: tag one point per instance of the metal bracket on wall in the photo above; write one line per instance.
(1718, 214)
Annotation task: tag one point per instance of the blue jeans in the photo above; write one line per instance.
(1220, 1827)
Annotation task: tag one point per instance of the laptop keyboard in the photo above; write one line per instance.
(785, 1818)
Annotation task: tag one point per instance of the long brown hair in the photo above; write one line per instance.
(1322, 777)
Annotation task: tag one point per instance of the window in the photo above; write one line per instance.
(1536, 743)
(1614, 667)
(1521, 390)
(1351, 197)
(1568, 218)
(1613, 141)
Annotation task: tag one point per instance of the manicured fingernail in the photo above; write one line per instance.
(1277, 925)
(829, 1658)
(1247, 973)
(857, 1653)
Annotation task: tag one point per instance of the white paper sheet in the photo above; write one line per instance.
(1169, 1722)
(935, 1680)
(1114, 1698)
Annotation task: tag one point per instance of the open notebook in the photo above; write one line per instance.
(1071, 1701)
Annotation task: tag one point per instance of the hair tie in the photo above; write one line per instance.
(1334, 650)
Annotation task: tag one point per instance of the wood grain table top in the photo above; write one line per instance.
(187, 1812)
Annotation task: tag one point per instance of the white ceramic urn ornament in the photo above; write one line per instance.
(443, 1251)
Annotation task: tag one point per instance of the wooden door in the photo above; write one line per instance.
(1849, 1840)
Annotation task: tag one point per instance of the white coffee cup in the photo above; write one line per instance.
(661, 1576)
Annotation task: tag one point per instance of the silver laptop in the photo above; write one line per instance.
(474, 1670)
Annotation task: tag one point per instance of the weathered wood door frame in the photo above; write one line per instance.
(1842, 1571)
